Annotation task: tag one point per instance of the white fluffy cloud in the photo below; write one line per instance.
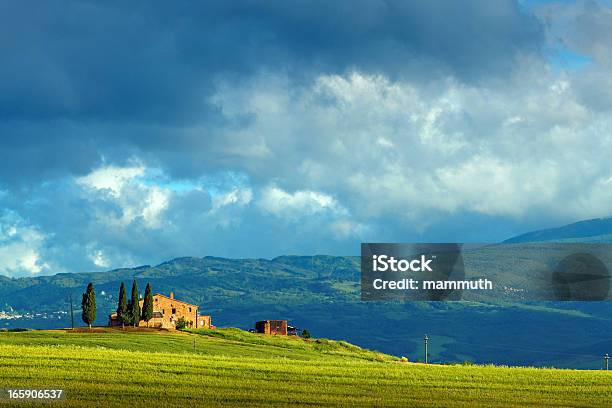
(515, 148)
(307, 206)
(125, 187)
(297, 204)
(98, 258)
(20, 246)
(111, 178)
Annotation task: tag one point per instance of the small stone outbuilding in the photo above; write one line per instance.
(271, 327)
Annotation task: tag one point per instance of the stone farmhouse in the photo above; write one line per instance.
(167, 311)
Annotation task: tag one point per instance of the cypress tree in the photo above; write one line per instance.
(134, 306)
(147, 305)
(122, 309)
(88, 304)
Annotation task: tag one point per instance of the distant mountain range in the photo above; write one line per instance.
(322, 294)
(596, 231)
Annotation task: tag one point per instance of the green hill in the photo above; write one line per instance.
(229, 342)
(232, 368)
(321, 293)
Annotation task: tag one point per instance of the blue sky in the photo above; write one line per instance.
(135, 133)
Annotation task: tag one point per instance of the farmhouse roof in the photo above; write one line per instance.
(175, 300)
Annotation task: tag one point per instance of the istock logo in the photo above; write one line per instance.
(383, 263)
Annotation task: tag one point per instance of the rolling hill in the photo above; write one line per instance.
(598, 230)
(235, 368)
(321, 293)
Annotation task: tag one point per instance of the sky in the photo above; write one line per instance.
(134, 133)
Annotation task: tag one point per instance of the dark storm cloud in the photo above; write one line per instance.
(84, 82)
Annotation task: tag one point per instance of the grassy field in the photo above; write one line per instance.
(230, 368)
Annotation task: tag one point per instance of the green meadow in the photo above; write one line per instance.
(229, 367)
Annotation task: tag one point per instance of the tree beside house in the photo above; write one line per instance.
(88, 305)
(147, 305)
(122, 309)
(134, 305)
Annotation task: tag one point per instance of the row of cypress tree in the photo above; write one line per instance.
(128, 312)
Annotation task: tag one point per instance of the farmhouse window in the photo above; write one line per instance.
(173, 310)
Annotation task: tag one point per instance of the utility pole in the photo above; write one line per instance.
(606, 357)
(426, 339)
(71, 313)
